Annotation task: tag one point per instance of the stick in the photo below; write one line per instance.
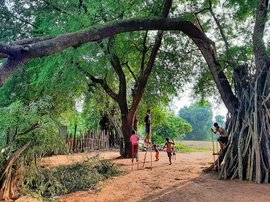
(132, 149)
(138, 164)
(218, 156)
(151, 156)
(145, 156)
(213, 147)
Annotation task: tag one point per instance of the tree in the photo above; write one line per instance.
(248, 105)
(172, 127)
(200, 117)
(220, 120)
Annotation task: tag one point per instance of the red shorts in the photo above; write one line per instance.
(157, 154)
(134, 148)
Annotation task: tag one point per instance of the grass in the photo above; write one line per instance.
(194, 146)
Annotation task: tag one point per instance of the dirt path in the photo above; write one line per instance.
(181, 181)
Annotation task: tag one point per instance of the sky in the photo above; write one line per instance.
(186, 99)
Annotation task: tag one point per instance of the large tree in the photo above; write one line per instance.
(247, 155)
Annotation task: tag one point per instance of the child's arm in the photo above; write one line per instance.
(165, 145)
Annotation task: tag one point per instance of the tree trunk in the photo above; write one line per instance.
(127, 118)
(126, 129)
(248, 154)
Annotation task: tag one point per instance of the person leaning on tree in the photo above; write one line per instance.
(223, 138)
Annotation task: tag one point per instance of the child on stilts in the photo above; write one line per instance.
(147, 121)
(134, 139)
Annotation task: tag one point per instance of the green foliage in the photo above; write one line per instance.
(63, 180)
(244, 8)
(200, 117)
(220, 120)
(172, 127)
(157, 139)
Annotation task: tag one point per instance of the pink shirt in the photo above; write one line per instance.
(134, 139)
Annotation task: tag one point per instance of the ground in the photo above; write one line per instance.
(181, 181)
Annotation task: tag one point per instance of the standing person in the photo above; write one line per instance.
(157, 152)
(134, 139)
(223, 138)
(169, 150)
(147, 121)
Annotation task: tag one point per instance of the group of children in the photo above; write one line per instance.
(134, 139)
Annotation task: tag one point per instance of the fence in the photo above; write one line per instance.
(89, 141)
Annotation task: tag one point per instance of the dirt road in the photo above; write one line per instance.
(181, 181)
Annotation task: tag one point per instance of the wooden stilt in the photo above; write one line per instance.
(148, 146)
(217, 155)
(151, 156)
(132, 156)
(213, 144)
(138, 164)
(145, 156)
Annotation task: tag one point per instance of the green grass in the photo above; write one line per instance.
(183, 148)
(194, 146)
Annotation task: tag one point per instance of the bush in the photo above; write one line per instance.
(66, 179)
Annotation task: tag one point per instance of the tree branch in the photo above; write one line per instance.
(258, 33)
(144, 52)
(32, 40)
(22, 20)
(143, 78)
(102, 82)
(56, 8)
(135, 45)
(33, 127)
(116, 64)
(220, 28)
(62, 11)
(62, 42)
(132, 73)
(223, 86)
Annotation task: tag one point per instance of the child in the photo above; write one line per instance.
(157, 152)
(134, 139)
(169, 146)
(223, 138)
(147, 121)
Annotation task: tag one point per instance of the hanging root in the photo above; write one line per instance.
(248, 152)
